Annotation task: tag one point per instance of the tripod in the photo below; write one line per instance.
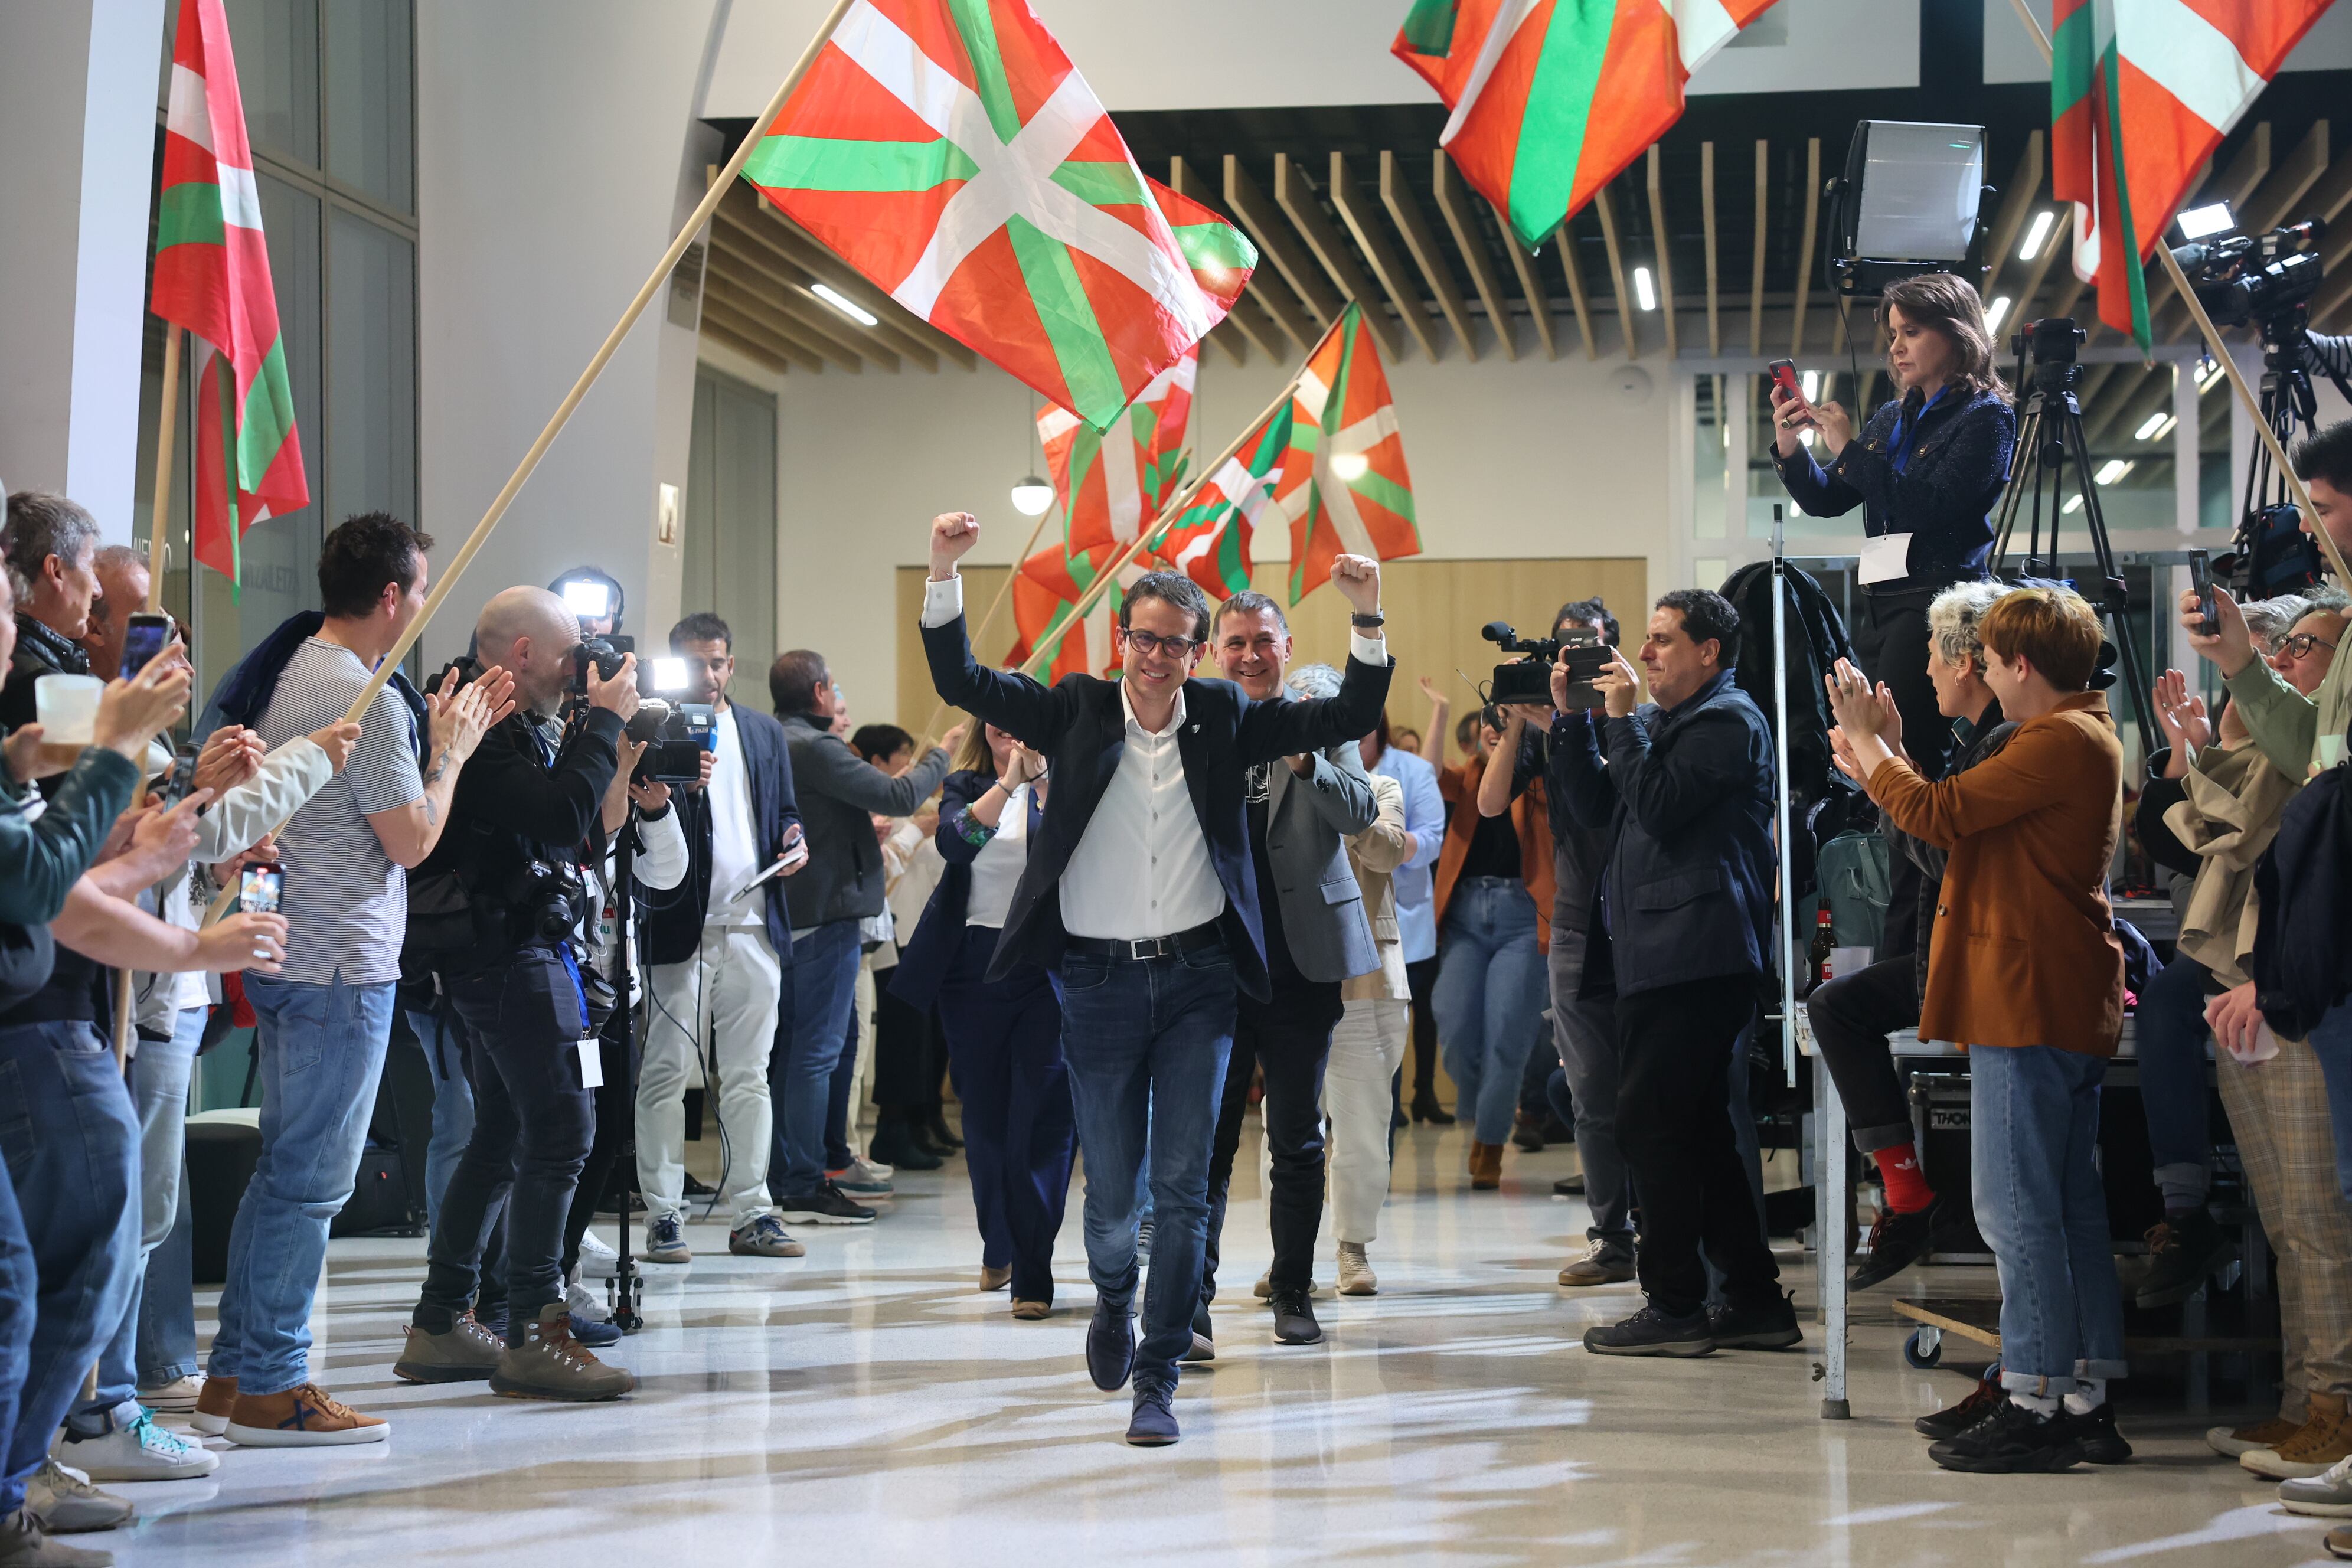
(626, 1287)
(2288, 405)
(2050, 444)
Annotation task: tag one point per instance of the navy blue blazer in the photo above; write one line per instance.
(927, 956)
(1685, 797)
(674, 927)
(1080, 725)
(1944, 496)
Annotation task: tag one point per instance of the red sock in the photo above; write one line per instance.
(1907, 1191)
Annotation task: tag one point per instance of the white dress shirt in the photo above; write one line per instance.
(734, 851)
(1144, 822)
(996, 869)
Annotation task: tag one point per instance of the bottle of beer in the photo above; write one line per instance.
(1824, 943)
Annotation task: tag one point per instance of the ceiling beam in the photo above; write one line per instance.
(1805, 244)
(747, 306)
(1756, 283)
(748, 270)
(1253, 314)
(1606, 210)
(1564, 238)
(1538, 302)
(2016, 207)
(1297, 196)
(1661, 246)
(2246, 170)
(2123, 417)
(733, 233)
(2274, 202)
(1461, 222)
(2331, 192)
(762, 354)
(717, 315)
(2061, 242)
(1274, 237)
(1707, 208)
(809, 253)
(1364, 226)
(1422, 241)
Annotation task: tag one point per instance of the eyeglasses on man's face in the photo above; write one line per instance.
(1178, 649)
(2299, 644)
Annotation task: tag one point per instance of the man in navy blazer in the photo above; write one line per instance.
(1141, 897)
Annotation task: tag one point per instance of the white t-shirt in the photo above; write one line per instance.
(996, 869)
(734, 849)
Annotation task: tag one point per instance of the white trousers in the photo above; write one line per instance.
(720, 1009)
(1367, 1048)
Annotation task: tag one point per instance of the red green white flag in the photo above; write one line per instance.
(1210, 541)
(1552, 99)
(950, 152)
(1113, 483)
(2141, 91)
(1344, 484)
(212, 276)
(1049, 587)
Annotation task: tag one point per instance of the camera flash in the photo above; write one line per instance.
(589, 601)
(2199, 222)
(669, 675)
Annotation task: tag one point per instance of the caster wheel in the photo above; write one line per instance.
(1923, 1349)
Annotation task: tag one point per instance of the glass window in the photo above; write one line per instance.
(372, 376)
(370, 102)
(729, 565)
(276, 47)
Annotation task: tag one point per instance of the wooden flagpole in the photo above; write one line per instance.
(1042, 656)
(2221, 356)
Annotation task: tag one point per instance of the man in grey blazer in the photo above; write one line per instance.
(1302, 810)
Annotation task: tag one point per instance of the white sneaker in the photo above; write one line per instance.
(2321, 1497)
(586, 1304)
(597, 1261)
(141, 1451)
(1356, 1276)
(177, 1397)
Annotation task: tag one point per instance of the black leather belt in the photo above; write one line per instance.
(1205, 934)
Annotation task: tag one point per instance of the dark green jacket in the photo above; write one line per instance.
(40, 860)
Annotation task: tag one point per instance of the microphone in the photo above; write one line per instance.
(1498, 633)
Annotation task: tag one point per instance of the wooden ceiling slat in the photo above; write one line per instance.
(1661, 247)
(1461, 222)
(1606, 210)
(2016, 207)
(2234, 184)
(731, 231)
(1297, 197)
(1422, 241)
(1756, 285)
(2119, 418)
(1805, 244)
(748, 306)
(2330, 193)
(757, 354)
(2274, 202)
(1364, 226)
(717, 314)
(807, 252)
(737, 263)
(1250, 316)
(1573, 271)
(1706, 208)
(2060, 243)
(1530, 284)
(1275, 239)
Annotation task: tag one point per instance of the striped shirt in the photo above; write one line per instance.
(346, 904)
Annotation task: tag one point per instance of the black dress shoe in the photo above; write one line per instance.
(1294, 1318)
(2095, 1431)
(894, 1144)
(1110, 1348)
(1426, 1109)
(1153, 1425)
(1526, 1131)
(1896, 1242)
(1568, 1186)
(1951, 1423)
(935, 1127)
(2009, 1440)
(1760, 1325)
(1652, 1332)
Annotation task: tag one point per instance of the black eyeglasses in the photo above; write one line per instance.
(1174, 648)
(2301, 643)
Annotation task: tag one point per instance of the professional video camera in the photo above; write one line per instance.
(675, 736)
(2267, 279)
(2049, 347)
(1528, 680)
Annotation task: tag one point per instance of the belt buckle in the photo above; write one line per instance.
(1148, 947)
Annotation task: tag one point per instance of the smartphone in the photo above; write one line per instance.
(148, 635)
(2200, 580)
(184, 769)
(1784, 377)
(260, 889)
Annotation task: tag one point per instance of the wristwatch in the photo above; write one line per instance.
(1367, 623)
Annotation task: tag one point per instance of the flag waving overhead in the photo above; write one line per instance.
(950, 152)
(1552, 99)
(212, 276)
(1113, 483)
(1344, 482)
(1049, 584)
(2141, 91)
(1210, 541)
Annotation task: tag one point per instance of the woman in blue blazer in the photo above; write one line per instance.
(1003, 1036)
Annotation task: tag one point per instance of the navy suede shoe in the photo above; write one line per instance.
(1110, 1347)
(1153, 1426)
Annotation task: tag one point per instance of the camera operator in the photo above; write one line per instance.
(1927, 470)
(1684, 793)
(526, 812)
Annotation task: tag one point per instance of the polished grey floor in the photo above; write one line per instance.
(867, 1405)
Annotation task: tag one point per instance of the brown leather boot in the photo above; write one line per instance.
(550, 1364)
(1485, 1166)
(2325, 1438)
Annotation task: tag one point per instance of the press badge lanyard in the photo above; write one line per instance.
(1898, 451)
(592, 1062)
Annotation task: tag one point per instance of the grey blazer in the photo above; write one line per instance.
(1309, 822)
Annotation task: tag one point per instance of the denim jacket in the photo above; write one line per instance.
(1943, 496)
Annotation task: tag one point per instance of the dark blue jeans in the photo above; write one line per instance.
(2171, 1031)
(837, 1152)
(1004, 1051)
(820, 992)
(1147, 1043)
(533, 1121)
(70, 1139)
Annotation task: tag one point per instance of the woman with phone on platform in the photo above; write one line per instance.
(1926, 469)
(1003, 1036)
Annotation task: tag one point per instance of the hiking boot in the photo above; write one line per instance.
(141, 1451)
(1652, 1333)
(1294, 1318)
(1764, 1324)
(2231, 1443)
(2183, 1251)
(1356, 1276)
(468, 1352)
(2009, 1440)
(1957, 1419)
(764, 1236)
(2325, 1438)
(666, 1240)
(1153, 1425)
(1605, 1262)
(1485, 1166)
(826, 1206)
(305, 1416)
(2095, 1431)
(215, 1400)
(1896, 1242)
(22, 1544)
(550, 1364)
(62, 1503)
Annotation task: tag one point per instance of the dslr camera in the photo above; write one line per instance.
(603, 655)
(542, 900)
(1528, 680)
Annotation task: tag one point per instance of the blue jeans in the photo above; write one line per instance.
(159, 1094)
(453, 1106)
(1488, 998)
(2332, 1042)
(1147, 1042)
(820, 992)
(1004, 1051)
(166, 1350)
(837, 1152)
(2043, 1211)
(2172, 1034)
(71, 1143)
(319, 1055)
(19, 1283)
